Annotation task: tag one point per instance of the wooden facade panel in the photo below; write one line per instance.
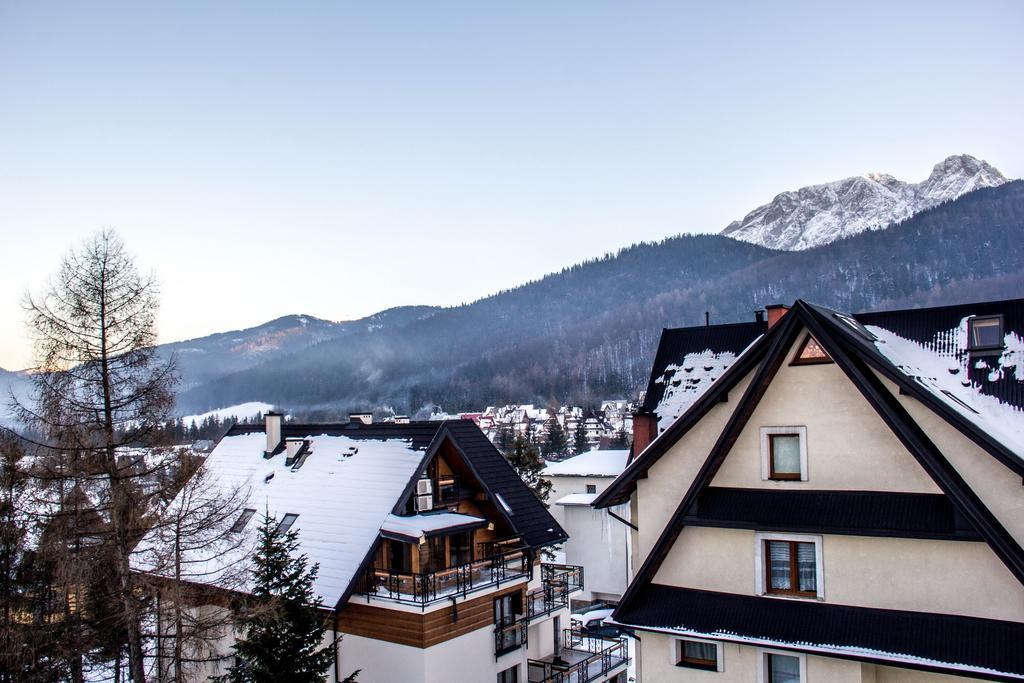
(419, 629)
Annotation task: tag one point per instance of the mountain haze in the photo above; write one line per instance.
(588, 332)
(819, 214)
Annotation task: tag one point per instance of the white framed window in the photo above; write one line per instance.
(789, 566)
(697, 653)
(780, 666)
(784, 453)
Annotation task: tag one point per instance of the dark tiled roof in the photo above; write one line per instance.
(938, 640)
(931, 328)
(862, 513)
(530, 517)
(676, 343)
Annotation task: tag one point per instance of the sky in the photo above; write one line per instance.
(340, 158)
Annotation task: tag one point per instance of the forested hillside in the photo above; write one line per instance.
(589, 331)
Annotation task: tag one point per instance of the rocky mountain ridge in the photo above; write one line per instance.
(819, 214)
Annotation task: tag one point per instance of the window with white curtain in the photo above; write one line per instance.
(698, 654)
(784, 453)
(789, 565)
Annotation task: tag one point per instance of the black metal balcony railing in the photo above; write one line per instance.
(509, 637)
(571, 575)
(461, 579)
(584, 658)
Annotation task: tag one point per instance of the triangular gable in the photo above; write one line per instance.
(810, 353)
(885, 404)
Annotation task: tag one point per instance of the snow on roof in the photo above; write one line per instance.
(684, 383)
(595, 463)
(343, 493)
(419, 525)
(577, 499)
(946, 377)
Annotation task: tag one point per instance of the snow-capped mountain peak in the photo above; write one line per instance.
(819, 214)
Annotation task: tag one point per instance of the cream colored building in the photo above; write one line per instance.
(841, 500)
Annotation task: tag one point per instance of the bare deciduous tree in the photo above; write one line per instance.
(101, 393)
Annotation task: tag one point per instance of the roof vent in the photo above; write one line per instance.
(364, 418)
(759, 315)
(292, 446)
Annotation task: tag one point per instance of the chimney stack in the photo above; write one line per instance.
(775, 313)
(645, 428)
(759, 315)
(273, 424)
(365, 418)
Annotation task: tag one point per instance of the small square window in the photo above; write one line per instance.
(697, 654)
(591, 488)
(781, 668)
(785, 456)
(510, 675)
(286, 523)
(985, 332)
(790, 568)
(784, 453)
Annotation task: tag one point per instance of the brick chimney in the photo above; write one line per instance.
(645, 428)
(775, 313)
(272, 421)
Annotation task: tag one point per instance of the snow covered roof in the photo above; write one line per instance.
(688, 362)
(416, 526)
(595, 463)
(345, 490)
(343, 493)
(577, 499)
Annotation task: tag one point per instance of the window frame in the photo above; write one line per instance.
(591, 488)
(797, 360)
(678, 650)
(503, 678)
(767, 448)
(1000, 322)
(281, 528)
(242, 521)
(763, 672)
(762, 566)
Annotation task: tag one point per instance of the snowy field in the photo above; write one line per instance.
(242, 411)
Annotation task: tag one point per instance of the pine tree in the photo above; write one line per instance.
(282, 625)
(579, 439)
(555, 443)
(525, 459)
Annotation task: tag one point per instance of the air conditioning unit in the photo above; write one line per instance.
(424, 495)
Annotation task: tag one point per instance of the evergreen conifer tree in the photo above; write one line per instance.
(555, 444)
(525, 459)
(282, 626)
(579, 439)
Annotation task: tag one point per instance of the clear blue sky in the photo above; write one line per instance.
(339, 158)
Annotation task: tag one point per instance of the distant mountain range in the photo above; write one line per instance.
(588, 332)
(819, 214)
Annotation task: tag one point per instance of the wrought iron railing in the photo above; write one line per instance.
(571, 575)
(461, 579)
(508, 637)
(602, 656)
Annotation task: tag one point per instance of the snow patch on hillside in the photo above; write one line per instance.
(242, 411)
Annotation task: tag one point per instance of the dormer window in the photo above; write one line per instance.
(242, 520)
(286, 523)
(985, 333)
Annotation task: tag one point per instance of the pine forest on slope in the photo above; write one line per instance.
(588, 332)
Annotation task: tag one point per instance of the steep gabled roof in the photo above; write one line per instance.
(772, 350)
(345, 492)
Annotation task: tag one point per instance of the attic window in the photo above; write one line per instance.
(857, 327)
(811, 353)
(242, 520)
(985, 333)
(286, 523)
